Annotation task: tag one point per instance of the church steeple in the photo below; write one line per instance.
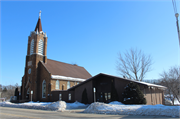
(37, 42)
(38, 25)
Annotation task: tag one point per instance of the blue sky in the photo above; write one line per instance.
(89, 33)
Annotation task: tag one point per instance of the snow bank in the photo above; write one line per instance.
(59, 105)
(151, 110)
(76, 105)
(116, 103)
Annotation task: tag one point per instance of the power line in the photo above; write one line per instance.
(174, 6)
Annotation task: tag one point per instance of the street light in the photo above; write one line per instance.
(94, 89)
(31, 95)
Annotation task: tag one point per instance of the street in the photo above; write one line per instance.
(20, 113)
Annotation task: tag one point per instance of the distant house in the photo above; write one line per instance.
(49, 80)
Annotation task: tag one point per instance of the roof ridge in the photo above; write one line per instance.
(65, 63)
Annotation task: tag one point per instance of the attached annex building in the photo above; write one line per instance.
(52, 80)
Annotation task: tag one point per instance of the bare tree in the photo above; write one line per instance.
(134, 64)
(8, 91)
(171, 80)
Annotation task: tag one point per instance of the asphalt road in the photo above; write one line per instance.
(20, 113)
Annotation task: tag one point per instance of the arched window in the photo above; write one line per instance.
(41, 47)
(68, 85)
(32, 47)
(28, 91)
(44, 89)
(57, 84)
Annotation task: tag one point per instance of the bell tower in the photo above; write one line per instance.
(36, 52)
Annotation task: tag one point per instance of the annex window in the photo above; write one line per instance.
(32, 47)
(60, 96)
(105, 95)
(57, 84)
(44, 89)
(68, 85)
(40, 47)
(109, 96)
(69, 96)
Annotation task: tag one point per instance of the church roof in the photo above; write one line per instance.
(38, 25)
(68, 70)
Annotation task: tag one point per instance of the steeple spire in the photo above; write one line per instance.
(38, 25)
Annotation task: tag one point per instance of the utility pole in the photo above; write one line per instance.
(176, 15)
(177, 23)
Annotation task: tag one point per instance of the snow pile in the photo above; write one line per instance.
(116, 103)
(151, 110)
(59, 105)
(76, 105)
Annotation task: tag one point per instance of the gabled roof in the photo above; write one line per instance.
(120, 78)
(68, 70)
(38, 25)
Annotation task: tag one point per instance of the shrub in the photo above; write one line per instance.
(133, 95)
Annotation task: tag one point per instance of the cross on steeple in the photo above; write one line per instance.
(38, 25)
(40, 14)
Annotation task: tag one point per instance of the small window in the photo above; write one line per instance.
(57, 84)
(69, 96)
(68, 85)
(105, 96)
(77, 82)
(60, 96)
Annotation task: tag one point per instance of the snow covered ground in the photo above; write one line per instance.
(121, 109)
(97, 107)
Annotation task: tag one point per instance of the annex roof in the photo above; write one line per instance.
(120, 78)
(68, 70)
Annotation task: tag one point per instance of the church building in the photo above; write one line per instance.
(43, 75)
(49, 80)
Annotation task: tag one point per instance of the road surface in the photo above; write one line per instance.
(20, 113)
